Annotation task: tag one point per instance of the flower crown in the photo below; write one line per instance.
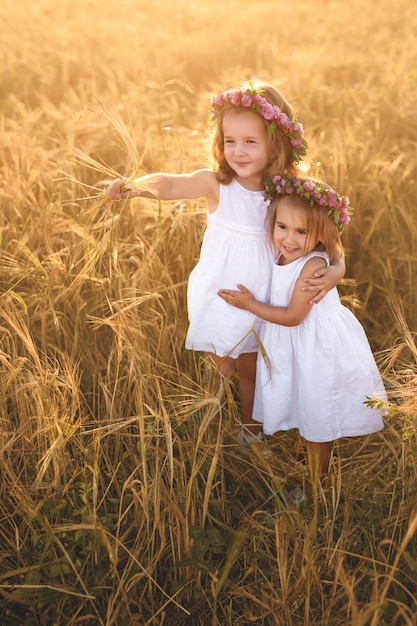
(314, 192)
(250, 98)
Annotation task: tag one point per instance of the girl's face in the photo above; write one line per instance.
(291, 234)
(246, 147)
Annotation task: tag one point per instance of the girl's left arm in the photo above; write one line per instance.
(325, 278)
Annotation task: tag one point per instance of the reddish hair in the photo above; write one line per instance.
(321, 229)
(280, 149)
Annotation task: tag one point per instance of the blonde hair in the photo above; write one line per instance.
(280, 149)
(321, 229)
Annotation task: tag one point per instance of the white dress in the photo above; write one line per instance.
(236, 248)
(320, 372)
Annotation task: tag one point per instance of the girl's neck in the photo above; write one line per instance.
(283, 261)
(251, 184)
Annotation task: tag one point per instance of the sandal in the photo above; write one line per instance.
(245, 437)
(294, 499)
(297, 497)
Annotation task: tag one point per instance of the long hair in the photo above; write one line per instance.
(280, 149)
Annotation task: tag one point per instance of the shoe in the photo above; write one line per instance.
(245, 437)
(297, 497)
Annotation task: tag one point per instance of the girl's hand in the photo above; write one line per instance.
(118, 190)
(241, 299)
(322, 281)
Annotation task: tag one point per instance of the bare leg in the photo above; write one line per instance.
(246, 367)
(223, 367)
(319, 460)
(218, 368)
(319, 457)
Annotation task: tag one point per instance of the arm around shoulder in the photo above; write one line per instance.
(325, 278)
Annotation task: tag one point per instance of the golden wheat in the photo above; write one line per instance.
(124, 498)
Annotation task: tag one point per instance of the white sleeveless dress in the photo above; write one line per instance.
(319, 372)
(236, 248)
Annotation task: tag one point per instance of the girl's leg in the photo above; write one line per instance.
(217, 369)
(319, 459)
(246, 367)
(223, 367)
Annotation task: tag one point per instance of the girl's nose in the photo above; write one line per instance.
(240, 149)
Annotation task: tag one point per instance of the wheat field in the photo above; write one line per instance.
(125, 499)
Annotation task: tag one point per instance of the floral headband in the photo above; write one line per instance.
(250, 98)
(314, 192)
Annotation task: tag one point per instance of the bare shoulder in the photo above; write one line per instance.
(312, 265)
(207, 180)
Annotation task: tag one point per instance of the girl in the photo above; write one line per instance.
(254, 134)
(319, 369)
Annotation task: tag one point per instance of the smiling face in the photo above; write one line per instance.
(292, 235)
(246, 147)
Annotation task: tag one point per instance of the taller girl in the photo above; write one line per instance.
(254, 136)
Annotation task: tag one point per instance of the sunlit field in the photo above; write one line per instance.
(125, 498)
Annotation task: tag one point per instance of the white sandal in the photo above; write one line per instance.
(297, 497)
(246, 437)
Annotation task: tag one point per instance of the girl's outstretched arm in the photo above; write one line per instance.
(198, 184)
(291, 315)
(325, 278)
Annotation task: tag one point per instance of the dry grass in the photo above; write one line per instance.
(124, 497)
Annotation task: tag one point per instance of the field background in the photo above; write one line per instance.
(124, 498)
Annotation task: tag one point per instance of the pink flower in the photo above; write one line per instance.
(271, 113)
(217, 100)
(312, 192)
(235, 98)
(267, 111)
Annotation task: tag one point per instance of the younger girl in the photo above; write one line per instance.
(254, 134)
(319, 368)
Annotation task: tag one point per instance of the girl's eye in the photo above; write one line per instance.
(302, 231)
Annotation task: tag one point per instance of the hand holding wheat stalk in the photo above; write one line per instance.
(120, 187)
